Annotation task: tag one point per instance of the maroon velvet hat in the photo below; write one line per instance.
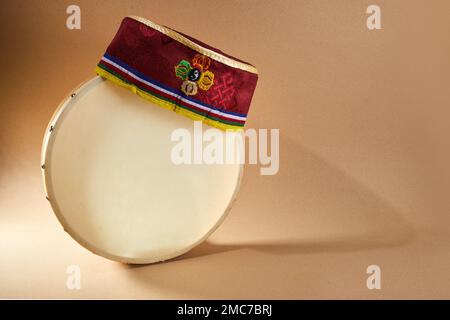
(177, 72)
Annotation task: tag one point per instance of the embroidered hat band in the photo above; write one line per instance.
(180, 73)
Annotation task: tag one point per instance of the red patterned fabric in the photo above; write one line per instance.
(155, 55)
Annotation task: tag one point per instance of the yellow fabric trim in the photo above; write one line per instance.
(163, 103)
(194, 46)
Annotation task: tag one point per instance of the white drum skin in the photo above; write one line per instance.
(110, 180)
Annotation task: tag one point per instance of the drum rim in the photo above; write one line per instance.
(45, 161)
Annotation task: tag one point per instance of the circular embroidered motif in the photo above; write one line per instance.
(182, 69)
(195, 77)
(206, 80)
(189, 87)
(202, 62)
(194, 74)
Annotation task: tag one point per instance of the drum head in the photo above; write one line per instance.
(112, 184)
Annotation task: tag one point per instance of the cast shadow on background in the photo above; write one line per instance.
(309, 207)
(336, 212)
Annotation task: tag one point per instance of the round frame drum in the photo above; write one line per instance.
(109, 177)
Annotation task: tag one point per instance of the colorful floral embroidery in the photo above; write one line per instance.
(189, 87)
(196, 75)
(206, 80)
(182, 69)
(201, 61)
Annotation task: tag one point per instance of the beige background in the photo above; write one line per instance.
(364, 176)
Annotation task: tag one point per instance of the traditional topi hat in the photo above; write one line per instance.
(180, 73)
